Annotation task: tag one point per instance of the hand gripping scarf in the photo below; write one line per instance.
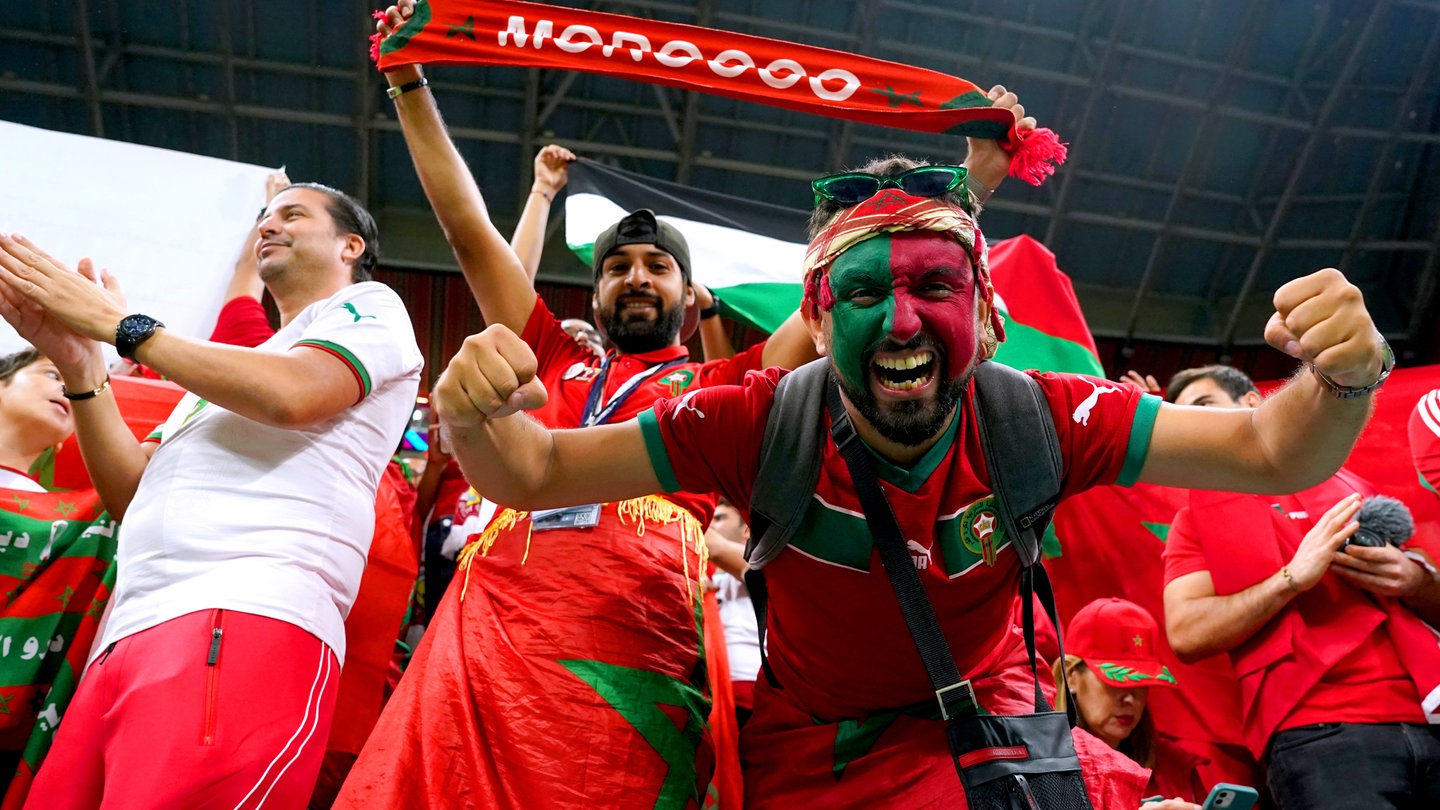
(888, 212)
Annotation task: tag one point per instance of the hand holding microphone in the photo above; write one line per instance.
(1372, 558)
(1383, 521)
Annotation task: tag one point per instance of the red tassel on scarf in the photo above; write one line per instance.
(1034, 154)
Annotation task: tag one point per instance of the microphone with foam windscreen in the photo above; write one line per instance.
(1383, 521)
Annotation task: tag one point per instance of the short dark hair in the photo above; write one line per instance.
(887, 166)
(1231, 380)
(11, 364)
(351, 217)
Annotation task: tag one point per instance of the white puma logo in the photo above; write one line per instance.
(919, 554)
(1082, 412)
(687, 405)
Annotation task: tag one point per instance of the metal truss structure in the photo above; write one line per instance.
(1218, 147)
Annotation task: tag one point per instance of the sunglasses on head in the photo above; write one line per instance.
(852, 188)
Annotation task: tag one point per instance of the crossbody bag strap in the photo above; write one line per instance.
(954, 695)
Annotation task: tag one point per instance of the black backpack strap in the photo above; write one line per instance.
(1022, 454)
(789, 469)
(789, 462)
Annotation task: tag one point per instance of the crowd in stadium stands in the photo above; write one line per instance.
(572, 595)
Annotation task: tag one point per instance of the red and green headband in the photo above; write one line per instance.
(891, 211)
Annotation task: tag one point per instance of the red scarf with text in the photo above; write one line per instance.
(820, 81)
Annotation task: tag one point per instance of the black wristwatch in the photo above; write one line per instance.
(132, 331)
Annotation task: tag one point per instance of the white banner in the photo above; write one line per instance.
(168, 224)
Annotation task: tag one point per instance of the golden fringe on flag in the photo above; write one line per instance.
(651, 508)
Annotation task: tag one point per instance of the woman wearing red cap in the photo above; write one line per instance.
(1112, 661)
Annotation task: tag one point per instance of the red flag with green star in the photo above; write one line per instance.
(57, 568)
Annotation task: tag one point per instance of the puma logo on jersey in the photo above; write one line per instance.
(1082, 412)
(351, 309)
(919, 554)
(687, 404)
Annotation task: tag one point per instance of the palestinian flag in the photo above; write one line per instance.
(750, 254)
(747, 252)
(57, 568)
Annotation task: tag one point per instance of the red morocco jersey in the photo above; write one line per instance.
(837, 640)
(570, 372)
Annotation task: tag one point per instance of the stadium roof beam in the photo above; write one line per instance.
(1298, 169)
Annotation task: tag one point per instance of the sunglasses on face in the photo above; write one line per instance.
(852, 188)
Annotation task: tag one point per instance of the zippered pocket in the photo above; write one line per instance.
(212, 675)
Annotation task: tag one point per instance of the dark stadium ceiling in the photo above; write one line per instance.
(1218, 147)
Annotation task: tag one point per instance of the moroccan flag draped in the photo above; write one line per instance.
(57, 566)
(767, 71)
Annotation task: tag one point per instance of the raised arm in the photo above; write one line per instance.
(728, 555)
(512, 459)
(496, 276)
(714, 340)
(1200, 624)
(988, 162)
(552, 170)
(245, 280)
(1299, 436)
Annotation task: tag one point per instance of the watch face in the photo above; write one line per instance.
(132, 331)
(137, 326)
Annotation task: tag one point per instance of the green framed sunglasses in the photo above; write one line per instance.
(851, 188)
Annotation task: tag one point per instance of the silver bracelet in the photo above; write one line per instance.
(1387, 365)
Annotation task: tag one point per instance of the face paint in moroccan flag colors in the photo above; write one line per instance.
(894, 286)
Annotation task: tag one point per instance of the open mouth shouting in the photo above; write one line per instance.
(905, 372)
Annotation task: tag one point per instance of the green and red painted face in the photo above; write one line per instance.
(895, 289)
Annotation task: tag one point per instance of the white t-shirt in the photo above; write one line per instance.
(742, 635)
(237, 515)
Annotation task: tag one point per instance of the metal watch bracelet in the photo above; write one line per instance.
(1387, 365)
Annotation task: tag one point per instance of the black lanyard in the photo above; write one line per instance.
(595, 414)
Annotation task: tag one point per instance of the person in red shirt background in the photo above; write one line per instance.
(1339, 675)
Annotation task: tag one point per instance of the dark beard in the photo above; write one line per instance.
(909, 423)
(641, 336)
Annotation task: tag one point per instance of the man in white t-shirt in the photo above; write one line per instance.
(247, 515)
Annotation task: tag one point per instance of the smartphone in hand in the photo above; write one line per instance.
(1225, 796)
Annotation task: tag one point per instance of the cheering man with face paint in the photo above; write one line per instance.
(898, 295)
(565, 665)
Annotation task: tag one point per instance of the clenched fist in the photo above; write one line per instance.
(1321, 319)
(491, 377)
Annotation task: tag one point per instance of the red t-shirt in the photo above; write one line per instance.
(1367, 686)
(242, 322)
(571, 372)
(837, 640)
